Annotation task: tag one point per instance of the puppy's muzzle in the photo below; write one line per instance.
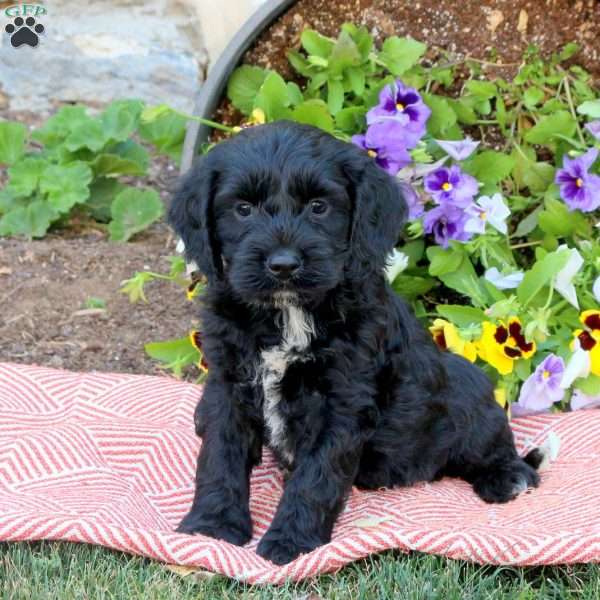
(284, 263)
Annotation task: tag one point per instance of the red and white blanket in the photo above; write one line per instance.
(109, 459)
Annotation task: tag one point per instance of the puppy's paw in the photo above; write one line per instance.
(504, 483)
(279, 550)
(235, 532)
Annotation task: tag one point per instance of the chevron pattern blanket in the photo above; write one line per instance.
(109, 459)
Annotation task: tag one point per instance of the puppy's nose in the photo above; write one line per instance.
(283, 263)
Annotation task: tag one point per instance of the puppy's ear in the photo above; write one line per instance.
(191, 216)
(379, 212)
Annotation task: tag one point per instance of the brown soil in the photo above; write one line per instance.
(494, 30)
(44, 286)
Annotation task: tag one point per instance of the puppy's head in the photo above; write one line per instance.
(285, 207)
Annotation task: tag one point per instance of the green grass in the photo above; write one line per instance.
(44, 571)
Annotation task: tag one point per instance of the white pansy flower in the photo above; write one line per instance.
(563, 282)
(396, 263)
(579, 365)
(490, 210)
(504, 282)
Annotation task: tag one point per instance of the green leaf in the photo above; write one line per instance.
(12, 142)
(299, 63)
(313, 112)
(24, 176)
(273, 97)
(120, 119)
(356, 78)
(540, 275)
(481, 89)
(529, 223)
(314, 43)
(8, 201)
(411, 286)
(463, 110)
(461, 316)
(351, 120)
(362, 38)
(442, 261)
(557, 220)
(60, 125)
(174, 354)
(591, 108)
(465, 281)
(132, 211)
(590, 385)
(31, 221)
(538, 176)
(345, 53)
(532, 97)
(400, 54)
(166, 132)
(66, 185)
(126, 158)
(243, 86)
(559, 123)
(490, 167)
(151, 113)
(414, 250)
(102, 193)
(442, 116)
(294, 93)
(87, 133)
(568, 51)
(335, 96)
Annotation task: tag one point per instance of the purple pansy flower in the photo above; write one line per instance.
(446, 222)
(403, 105)
(579, 188)
(451, 185)
(458, 150)
(385, 142)
(416, 206)
(594, 128)
(542, 388)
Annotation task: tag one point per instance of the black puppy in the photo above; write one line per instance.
(311, 352)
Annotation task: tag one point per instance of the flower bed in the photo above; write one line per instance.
(500, 256)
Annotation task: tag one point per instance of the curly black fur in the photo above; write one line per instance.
(366, 398)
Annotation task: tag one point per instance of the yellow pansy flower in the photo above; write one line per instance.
(500, 345)
(447, 337)
(589, 337)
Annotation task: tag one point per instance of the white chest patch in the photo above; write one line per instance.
(297, 327)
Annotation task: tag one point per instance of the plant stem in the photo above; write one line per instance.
(525, 244)
(207, 122)
(572, 108)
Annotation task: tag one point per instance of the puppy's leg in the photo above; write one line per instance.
(485, 453)
(231, 447)
(315, 492)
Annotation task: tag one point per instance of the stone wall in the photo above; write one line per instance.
(94, 52)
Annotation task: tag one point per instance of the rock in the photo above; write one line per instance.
(105, 50)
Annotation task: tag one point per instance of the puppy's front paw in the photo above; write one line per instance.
(236, 532)
(280, 550)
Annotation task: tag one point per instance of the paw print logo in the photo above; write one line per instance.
(24, 32)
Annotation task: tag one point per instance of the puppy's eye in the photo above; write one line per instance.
(318, 207)
(243, 209)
